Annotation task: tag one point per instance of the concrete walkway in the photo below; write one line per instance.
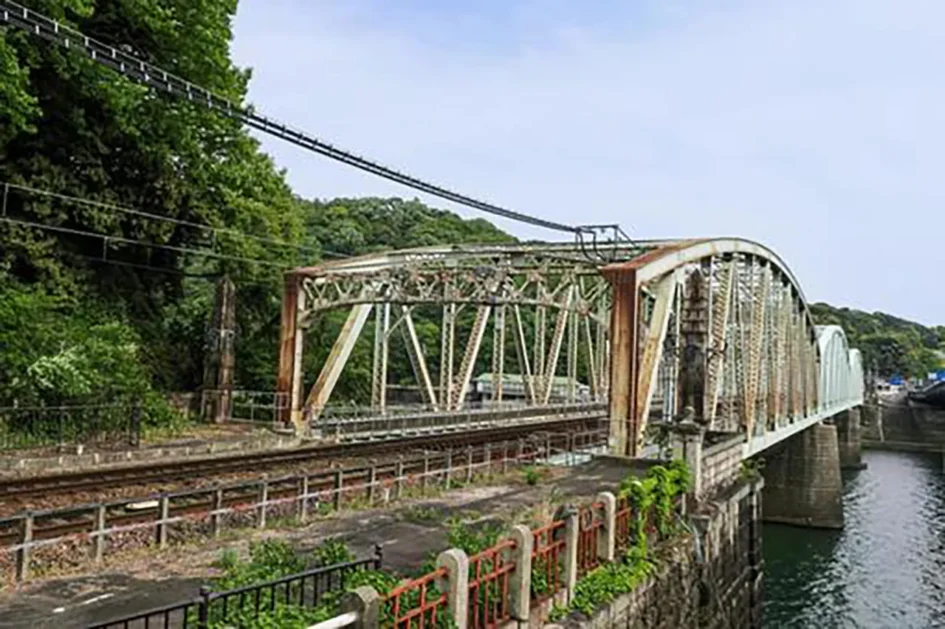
(408, 532)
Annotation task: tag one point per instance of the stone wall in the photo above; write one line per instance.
(897, 423)
(721, 465)
(711, 580)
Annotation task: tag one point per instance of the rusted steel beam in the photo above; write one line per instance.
(288, 376)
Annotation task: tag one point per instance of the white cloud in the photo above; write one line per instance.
(814, 127)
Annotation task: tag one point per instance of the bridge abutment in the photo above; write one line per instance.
(803, 485)
(848, 439)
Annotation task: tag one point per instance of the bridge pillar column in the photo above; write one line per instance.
(802, 480)
(848, 439)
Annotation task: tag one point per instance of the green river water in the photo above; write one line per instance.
(885, 570)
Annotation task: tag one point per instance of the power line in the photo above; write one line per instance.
(160, 80)
(157, 217)
(107, 240)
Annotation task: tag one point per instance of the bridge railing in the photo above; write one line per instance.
(433, 421)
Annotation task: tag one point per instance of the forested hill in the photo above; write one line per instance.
(889, 345)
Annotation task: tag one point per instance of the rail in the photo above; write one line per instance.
(489, 574)
(161, 519)
(417, 603)
(590, 525)
(547, 554)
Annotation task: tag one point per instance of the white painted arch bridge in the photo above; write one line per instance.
(717, 328)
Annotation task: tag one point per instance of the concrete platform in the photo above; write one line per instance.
(408, 531)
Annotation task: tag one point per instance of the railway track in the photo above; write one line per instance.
(144, 474)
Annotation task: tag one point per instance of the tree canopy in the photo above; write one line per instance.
(889, 345)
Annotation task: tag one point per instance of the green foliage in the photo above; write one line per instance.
(532, 475)
(472, 539)
(331, 552)
(750, 469)
(651, 498)
(889, 345)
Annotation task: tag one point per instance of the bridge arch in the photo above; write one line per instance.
(719, 329)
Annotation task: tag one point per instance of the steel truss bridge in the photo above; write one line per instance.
(717, 330)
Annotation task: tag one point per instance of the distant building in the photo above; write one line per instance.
(513, 388)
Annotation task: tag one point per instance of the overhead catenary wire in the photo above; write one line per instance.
(100, 205)
(160, 80)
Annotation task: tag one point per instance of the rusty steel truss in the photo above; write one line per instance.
(714, 329)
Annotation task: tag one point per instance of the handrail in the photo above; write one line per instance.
(337, 622)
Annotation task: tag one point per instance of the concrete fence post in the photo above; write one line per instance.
(505, 457)
(449, 468)
(23, 552)
(399, 478)
(571, 530)
(216, 518)
(607, 534)
(339, 485)
(372, 483)
(487, 460)
(520, 588)
(457, 590)
(520, 453)
(164, 509)
(425, 478)
(366, 603)
(263, 503)
(98, 539)
(469, 464)
(303, 498)
(688, 447)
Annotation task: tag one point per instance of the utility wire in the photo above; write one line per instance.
(107, 240)
(99, 205)
(162, 81)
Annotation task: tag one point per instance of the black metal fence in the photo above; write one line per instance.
(241, 606)
(56, 426)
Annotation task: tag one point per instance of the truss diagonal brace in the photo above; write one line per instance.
(417, 359)
(340, 352)
(653, 342)
(469, 358)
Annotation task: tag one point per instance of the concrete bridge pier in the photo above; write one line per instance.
(803, 485)
(848, 439)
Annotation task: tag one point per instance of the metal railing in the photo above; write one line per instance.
(24, 427)
(242, 605)
(418, 603)
(489, 575)
(547, 555)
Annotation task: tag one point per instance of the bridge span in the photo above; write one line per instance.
(716, 331)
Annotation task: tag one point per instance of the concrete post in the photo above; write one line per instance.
(216, 518)
(303, 498)
(425, 478)
(399, 478)
(607, 534)
(164, 509)
(366, 603)
(803, 485)
(263, 504)
(688, 447)
(571, 531)
(469, 464)
(505, 457)
(848, 439)
(339, 485)
(457, 590)
(23, 552)
(372, 483)
(487, 459)
(98, 541)
(520, 586)
(449, 468)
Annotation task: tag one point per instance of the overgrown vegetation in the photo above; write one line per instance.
(86, 318)
(652, 498)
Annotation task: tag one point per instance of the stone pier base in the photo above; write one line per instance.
(802, 480)
(848, 439)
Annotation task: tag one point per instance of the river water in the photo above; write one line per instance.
(885, 570)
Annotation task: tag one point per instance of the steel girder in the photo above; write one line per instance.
(719, 330)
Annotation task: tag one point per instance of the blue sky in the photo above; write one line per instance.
(814, 126)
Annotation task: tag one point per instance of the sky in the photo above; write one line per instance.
(816, 127)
